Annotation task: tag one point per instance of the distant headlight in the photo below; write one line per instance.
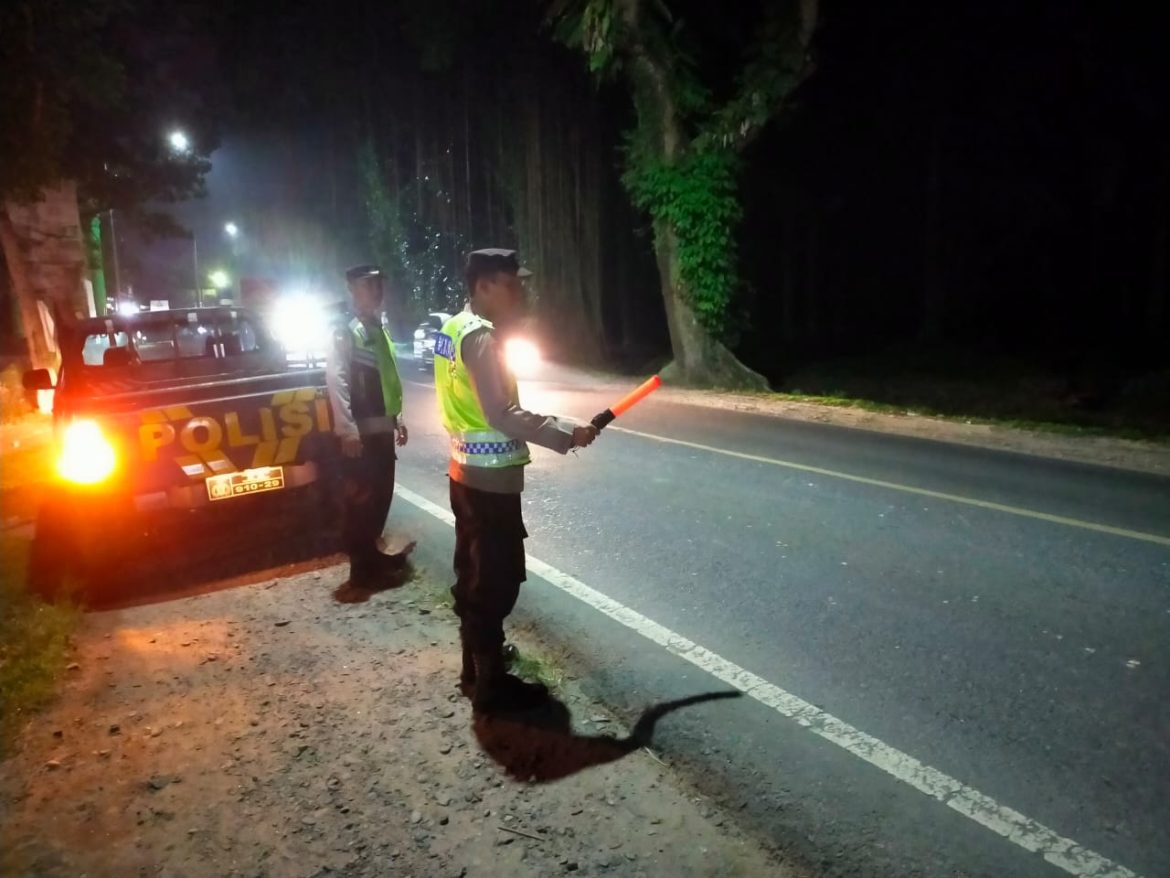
(301, 324)
(522, 356)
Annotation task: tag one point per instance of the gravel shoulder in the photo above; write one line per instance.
(268, 730)
(1129, 454)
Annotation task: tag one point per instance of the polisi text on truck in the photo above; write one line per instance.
(214, 445)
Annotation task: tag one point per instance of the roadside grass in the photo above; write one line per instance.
(35, 642)
(535, 669)
(431, 589)
(35, 636)
(967, 387)
(1075, 424)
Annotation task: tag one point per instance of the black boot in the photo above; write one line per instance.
(389, 564)
(497, 690)
(361, 574)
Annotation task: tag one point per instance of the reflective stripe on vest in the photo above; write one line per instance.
(473, 441)
(488, 448)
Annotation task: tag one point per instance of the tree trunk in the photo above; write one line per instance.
(812, 281)
(788, 297)
(469, 193)
(1156, 301)
(46, 262)
(698, 357)
(41, 351)
(933, 291)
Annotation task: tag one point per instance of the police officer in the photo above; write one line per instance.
(365, 393)
(480, 408)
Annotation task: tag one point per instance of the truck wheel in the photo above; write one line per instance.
(78, 550)
(320, 518)
(55, 560)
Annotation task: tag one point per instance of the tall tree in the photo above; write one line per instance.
(88, 93)
(682, 160)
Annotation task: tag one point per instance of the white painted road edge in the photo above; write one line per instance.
(1064, 853)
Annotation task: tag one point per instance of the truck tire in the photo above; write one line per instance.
(320, 518)
(320, 510)
(54, 557)
(76, 544)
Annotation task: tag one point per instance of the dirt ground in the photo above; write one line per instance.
(268, 729)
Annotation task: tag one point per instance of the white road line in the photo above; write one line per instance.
(1020, 830)
(1023, 512)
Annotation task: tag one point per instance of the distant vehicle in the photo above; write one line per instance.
(522, 354)
(169, 424)
(303, 324)
(424, 339)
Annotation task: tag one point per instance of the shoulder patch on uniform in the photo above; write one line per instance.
(445, 346)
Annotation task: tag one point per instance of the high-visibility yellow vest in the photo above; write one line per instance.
(376, 386)
(473, 441)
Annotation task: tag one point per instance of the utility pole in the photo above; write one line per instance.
(195, 259)
(114, 250)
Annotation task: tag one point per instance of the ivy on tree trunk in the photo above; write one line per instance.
(682, 157)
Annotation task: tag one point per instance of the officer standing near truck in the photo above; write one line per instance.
(365, 393)
(480, 407)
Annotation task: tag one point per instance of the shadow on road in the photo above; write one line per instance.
(540, 745)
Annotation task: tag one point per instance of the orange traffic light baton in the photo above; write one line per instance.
(627, 402)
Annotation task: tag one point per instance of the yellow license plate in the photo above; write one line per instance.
(249, 481)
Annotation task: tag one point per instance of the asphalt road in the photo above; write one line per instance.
(1018, 647)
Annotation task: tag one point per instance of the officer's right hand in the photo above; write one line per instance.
(584, 436)
(351, 446)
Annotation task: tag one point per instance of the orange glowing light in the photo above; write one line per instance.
(87, 457)
(636, 395)
(522, 356)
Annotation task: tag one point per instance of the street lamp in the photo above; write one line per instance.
(179, 141)
(232, 230)
(219, 279)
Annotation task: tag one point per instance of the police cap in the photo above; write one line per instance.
(360, 271)
(490, 261)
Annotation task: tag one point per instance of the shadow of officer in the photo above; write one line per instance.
(539, 745)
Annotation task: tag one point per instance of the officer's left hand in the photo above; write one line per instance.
(400, 435)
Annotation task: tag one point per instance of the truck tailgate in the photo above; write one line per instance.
(179, 436)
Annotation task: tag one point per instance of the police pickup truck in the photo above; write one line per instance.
(176, 428)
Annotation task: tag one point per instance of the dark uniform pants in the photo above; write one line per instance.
(489, 563)
(367, 487)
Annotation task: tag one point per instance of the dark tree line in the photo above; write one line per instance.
(991, 177)
(455, 125)
(984, 177)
